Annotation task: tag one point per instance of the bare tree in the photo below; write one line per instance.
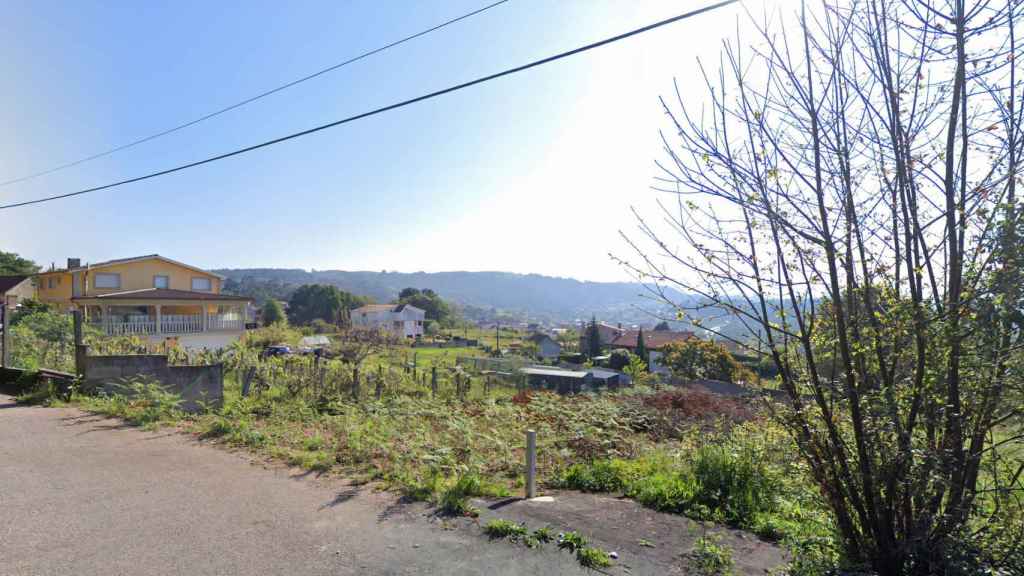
(355, 345)
(848, 194)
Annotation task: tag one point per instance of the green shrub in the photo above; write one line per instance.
(733, 484)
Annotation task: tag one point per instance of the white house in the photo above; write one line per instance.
(547, 348)
(399, 319)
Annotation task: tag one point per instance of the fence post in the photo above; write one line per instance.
(322, 373)
(531, 464)
(5, 337)
(380, 381)
(355, 382)
(433, 381)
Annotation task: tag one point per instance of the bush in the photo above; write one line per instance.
(735, 485)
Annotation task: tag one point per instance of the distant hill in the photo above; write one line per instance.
(481, 295)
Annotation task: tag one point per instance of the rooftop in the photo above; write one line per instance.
(653, 339)
(8, 282)
(163, 294)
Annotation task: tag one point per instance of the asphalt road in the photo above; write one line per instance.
(84, 495)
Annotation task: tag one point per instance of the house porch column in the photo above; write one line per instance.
(206, 319)
(159, 320)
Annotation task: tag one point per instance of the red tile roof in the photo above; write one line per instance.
(653, 339)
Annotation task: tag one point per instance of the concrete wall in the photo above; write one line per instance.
(195, 384)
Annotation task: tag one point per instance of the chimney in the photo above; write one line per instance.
(74, 263)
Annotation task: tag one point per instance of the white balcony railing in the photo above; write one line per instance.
(170, 324)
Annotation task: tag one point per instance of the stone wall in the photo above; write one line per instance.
(195, 384)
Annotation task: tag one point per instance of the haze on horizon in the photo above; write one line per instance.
(533, 173)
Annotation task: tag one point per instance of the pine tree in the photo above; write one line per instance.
(593, 339)
(641, 347)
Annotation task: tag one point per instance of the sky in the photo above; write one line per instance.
(532, 173)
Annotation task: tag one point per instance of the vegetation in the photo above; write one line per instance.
(13, 265)
(641, 346)
(619, 359)
(322, 302)
(427, 300)
(592, 339)
(868, 159)
(711, 558)
(273, 313)
(696, 359)
(499, 528)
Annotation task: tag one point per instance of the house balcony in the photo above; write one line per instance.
(163, 312)
(170, 324)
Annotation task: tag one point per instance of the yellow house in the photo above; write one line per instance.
(149, 296)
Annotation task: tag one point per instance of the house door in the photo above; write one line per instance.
(76, 284)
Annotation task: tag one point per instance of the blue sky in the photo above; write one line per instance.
(530, 173)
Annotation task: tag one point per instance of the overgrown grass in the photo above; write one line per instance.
(676, 452)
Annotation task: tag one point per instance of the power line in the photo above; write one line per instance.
(249, 100)
(376, 111)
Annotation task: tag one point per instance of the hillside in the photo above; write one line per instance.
(522, 295)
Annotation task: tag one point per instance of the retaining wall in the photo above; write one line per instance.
(195, 384)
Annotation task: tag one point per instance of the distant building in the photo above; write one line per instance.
(14, 289)
(403, 320)
(547, 348)
(570, 381)
(654, 341)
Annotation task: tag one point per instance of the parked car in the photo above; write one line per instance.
(278, 350)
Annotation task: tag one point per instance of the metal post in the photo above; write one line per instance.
(531, 464)
(433, 381)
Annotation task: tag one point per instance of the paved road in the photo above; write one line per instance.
(87, 496)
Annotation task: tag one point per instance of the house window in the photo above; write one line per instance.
(161, 282)
(106, 281)
(202, 284)
(51, 283)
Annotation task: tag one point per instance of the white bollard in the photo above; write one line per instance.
(531, 464)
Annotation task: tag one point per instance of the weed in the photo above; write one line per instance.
(646, 543)
(593, 558)
(499, 528)
(543, 535)
(571, 541)
(711, 557)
